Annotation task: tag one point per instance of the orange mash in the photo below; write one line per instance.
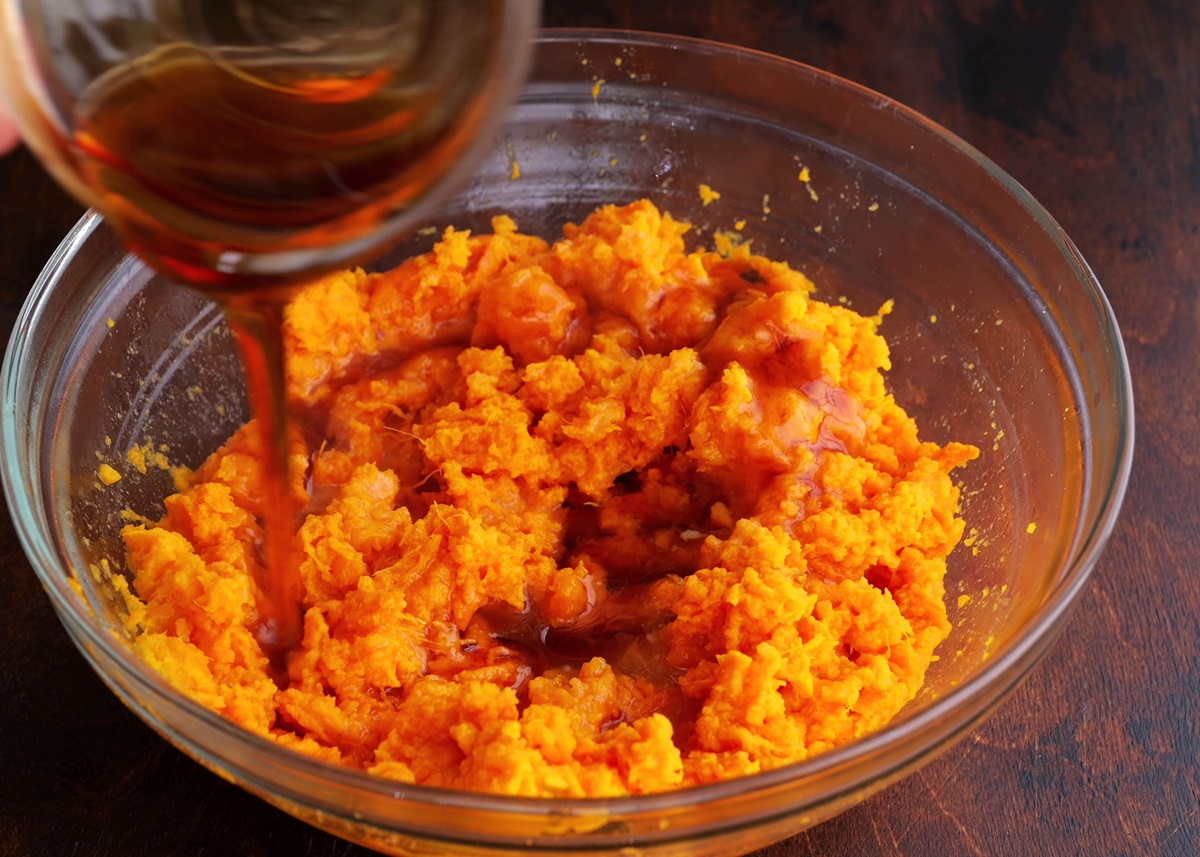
(592, 518)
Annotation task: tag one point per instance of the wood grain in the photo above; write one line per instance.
(1095, 108)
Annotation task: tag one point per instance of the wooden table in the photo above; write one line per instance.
(1095, 108)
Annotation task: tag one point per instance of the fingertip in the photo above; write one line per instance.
(9, 136)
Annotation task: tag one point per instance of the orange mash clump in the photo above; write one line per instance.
(592, 518)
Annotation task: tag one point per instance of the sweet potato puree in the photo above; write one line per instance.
(591, 518)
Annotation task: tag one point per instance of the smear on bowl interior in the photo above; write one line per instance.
(594, 517)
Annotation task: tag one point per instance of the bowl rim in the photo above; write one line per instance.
(1005, 669)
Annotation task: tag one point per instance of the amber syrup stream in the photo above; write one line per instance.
(257, 323)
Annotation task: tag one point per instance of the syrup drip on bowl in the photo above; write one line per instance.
(248, 170)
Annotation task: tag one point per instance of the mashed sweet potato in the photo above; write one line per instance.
(591, 518)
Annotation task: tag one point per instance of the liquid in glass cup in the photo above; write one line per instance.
(260, 142)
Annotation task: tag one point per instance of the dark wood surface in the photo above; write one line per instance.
(1095, 108)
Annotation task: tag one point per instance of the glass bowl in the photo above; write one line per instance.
(1000, 336)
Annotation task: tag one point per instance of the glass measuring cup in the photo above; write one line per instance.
(259, 141)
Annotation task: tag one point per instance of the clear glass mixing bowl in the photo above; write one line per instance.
(1001, 337)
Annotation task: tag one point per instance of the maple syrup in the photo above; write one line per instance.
(245, 173)
(243, 177)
